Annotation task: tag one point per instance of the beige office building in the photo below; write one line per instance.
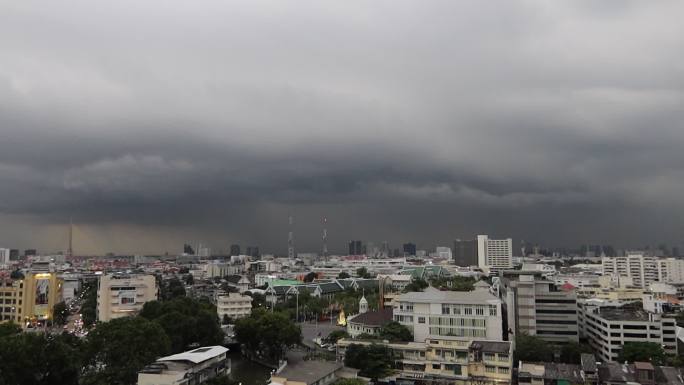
(121, 295)
(541, 308)
(233, 305)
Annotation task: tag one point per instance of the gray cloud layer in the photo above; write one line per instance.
(161, 121)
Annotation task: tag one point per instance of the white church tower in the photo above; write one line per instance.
(363, 305)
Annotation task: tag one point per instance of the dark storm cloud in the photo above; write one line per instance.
(158, 122)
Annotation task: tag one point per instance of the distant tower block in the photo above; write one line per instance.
(290, 240)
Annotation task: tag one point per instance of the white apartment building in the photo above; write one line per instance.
(233, 305)
(443, 252)
(608, 328)
(4, 257)
(221, 269)
(643, 269)
(467, 315)
(193, 367)
(121, 295)
(494, 254)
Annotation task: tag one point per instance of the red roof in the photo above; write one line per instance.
(567, 286)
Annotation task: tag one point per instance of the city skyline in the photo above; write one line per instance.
(398, 121)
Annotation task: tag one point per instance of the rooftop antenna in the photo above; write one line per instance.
(70, 251)
(290, 240)
(325, 239)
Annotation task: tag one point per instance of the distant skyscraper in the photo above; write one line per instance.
(443, 252)
(465, 252)
(494, 254)
(187, 249)
(4, 256)
(30, 253)
(410, 249)
(234, 249)
(253, 251)
(385, 249)
(13, 254)
(356, 248)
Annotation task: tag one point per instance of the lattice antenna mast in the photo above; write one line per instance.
(325, 239)
(70, 251)
(290, 240)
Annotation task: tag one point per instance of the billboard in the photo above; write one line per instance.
(42, 291)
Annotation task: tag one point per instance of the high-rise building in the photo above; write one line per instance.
(643, 269)
(14, 254)
(494, 254)
(234, 249)
(187, 249)
(30, 253)
(253, 251)
(465, 252)
(4, 256)
(124, 295)
(541, 308)
(356, 248)
(410, 249)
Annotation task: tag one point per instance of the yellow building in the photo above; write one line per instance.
(30, 301)
(11, 300)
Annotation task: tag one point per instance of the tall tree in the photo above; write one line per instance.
(416, 285)
(310, 277)
(118, 349)
(60, 313)
(394, 331)
(39, 359)
(186, 321)
(9, 329)
(643, 351)
(336, 335)
(267, 334)
(374, 361)
(532, 348)
(362, 272)
(89, 305)
(571, 352)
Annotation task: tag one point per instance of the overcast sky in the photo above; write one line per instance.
(158, 122)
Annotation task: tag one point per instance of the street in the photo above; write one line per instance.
(311, 330)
